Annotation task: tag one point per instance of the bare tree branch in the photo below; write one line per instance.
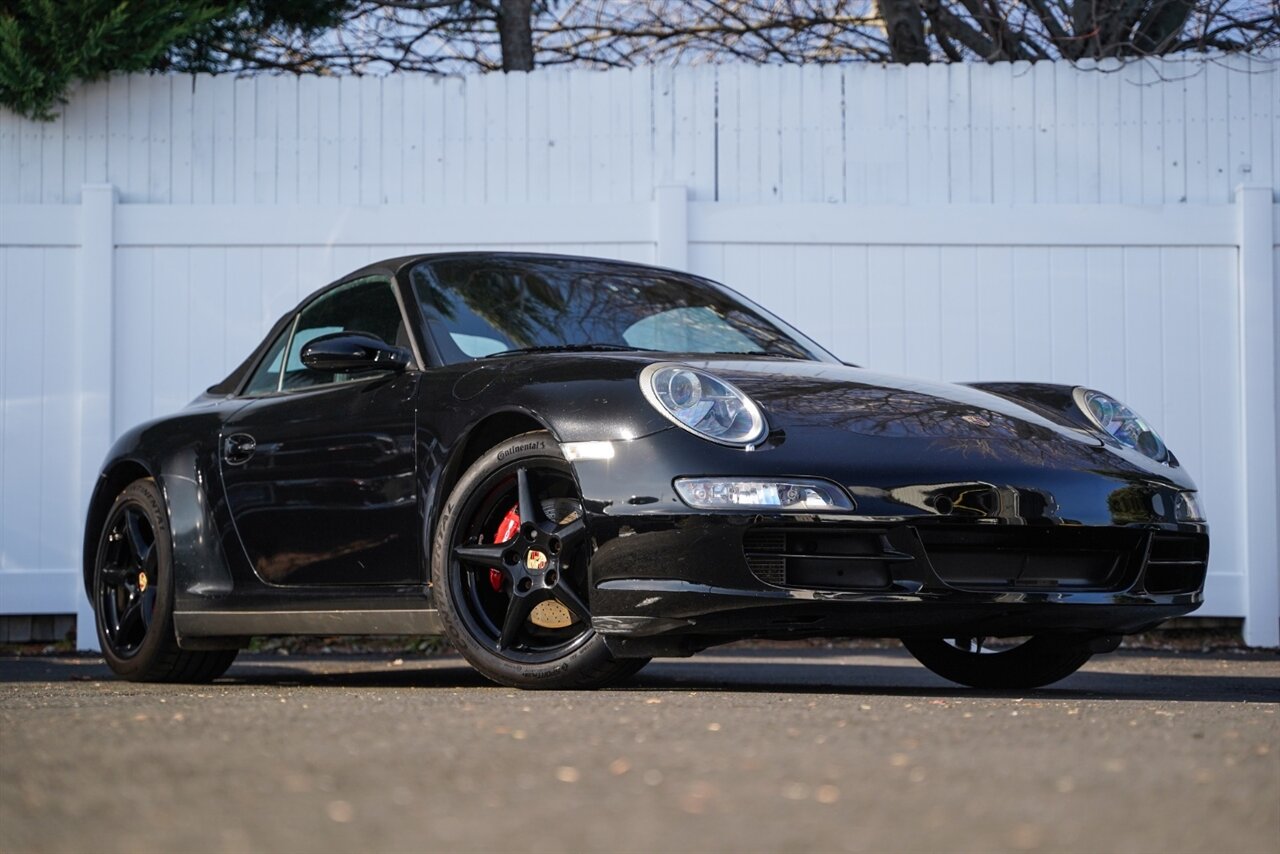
(447, 36)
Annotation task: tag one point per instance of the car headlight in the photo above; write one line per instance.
(1121, 423)
(729, 493)
(703, 404)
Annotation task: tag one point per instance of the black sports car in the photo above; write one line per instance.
(569, 466)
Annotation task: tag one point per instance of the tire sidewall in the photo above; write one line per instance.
(160, 638)
(571, 669)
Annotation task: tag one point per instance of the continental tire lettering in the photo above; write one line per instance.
(515, 449)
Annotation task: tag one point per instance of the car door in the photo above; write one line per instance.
(319, 468)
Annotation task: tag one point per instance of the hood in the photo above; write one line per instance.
(845, 409)
(796, 394)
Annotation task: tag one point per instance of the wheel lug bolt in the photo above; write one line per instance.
(550, 578)
(524, 585)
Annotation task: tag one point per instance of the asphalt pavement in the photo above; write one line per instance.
(813, 750)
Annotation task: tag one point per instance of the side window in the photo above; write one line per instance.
(266, 378)
(367, 306)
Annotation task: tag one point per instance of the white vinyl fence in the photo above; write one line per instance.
(1113, 227)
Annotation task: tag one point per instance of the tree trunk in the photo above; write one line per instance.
(904, 27)
(1162, 26)
(515, 32)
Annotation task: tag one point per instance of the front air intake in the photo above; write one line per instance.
(1177, 563)
(1060, 557)
(821, 559)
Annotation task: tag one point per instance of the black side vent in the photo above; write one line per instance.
(764, 555)
(821, 559)
(1177, 563)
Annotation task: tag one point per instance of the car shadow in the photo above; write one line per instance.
(1127, 675)
(908, 679)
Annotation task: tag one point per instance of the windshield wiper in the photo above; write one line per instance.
(778, 353)
(572, 348)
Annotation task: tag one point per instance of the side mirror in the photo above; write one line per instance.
(350, 352)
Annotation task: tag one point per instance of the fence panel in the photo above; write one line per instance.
(1152, 132)
(40, 488)
(1045, 222)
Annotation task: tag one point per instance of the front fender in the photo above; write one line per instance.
(180, 453)
(577, 398)
(1050, 400)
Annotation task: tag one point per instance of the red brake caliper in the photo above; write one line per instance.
(506, 530)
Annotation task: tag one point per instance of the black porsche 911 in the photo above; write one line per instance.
(569, 466)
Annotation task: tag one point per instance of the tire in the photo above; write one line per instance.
(1040, 661)
(133, 595)
(486, 589)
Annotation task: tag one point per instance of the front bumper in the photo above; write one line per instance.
(1040, 551)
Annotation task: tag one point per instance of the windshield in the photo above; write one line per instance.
(480, 306)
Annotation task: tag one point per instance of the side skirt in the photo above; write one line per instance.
(195, 628)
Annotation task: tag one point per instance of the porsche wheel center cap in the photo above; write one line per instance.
(142, 582)
(535, 561)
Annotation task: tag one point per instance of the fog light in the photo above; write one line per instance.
(1186, 508)
(718, 493)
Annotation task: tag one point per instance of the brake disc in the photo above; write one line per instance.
(550, 614)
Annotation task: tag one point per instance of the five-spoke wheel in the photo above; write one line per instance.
(540, 564)
(511, 569)
(133, 595)
(127, 573)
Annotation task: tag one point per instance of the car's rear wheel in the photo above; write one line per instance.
(133, 595)
(510, 572)
(1001, 663)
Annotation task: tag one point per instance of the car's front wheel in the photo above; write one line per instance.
(1001, 663)
(133, 595)
(510, 571)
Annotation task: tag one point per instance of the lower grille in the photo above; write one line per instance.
(1033, 558)
(821, 559)
(979, 558)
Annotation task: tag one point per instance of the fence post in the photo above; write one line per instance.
(671, 227)
(1258, 353)
(94, 326)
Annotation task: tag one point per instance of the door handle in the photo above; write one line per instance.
(238, 448)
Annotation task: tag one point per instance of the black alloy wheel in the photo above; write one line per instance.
(127, 579)
(133, 595)
(1002, 663)
(511, 569)
(542, 563)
